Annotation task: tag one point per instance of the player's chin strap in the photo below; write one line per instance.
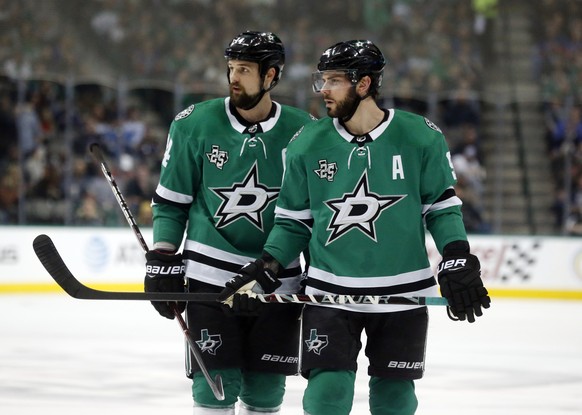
(254, 103)
(354, 108)
(260, 95)
(355, 105)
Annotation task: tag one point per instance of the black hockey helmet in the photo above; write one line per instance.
(265, 48)
(358, 58)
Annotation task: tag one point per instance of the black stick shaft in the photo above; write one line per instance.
(216, 384)
(98, 154)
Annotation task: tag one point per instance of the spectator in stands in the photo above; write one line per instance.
(30, 133)
(568, 127)
(10, 182)
(88, 211)
(472, 208)
(573, 225)
(8, 132)
(468, 138)
(139, 186)
(467, 165)
(46, 200)
(486, 12)
(133, 130)
(460, 109)
(558, 207)
(565, 139)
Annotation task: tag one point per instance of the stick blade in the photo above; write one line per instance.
(51, 260)
(218, 388)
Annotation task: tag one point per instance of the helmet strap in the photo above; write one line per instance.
(275, 80)
(354, 107)
(263, 91)
(258, 99)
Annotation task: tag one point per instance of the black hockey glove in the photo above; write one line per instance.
(165, 273)
(239, 294)
(459, 275)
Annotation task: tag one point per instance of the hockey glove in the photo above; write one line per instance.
(239, 294)
(165, 273)
(459, 275)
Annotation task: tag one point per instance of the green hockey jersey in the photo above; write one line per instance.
(362, 205)
(219, 181)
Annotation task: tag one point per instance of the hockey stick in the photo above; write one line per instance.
(51, 260)
(216, 384)
(98, 154)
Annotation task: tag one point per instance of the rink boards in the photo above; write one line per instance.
(111, 258)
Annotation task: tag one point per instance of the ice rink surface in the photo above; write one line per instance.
(61, 356)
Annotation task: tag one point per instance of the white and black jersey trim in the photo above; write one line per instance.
(447, 199)
(420, 282)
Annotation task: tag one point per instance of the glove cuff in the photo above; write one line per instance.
(161, 255)
(269, 262)
(268, 280)
(456, 247)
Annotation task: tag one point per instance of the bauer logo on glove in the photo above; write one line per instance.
(156, 270)
(452, 265)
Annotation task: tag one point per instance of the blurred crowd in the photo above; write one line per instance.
(557, 65)
(54, 101)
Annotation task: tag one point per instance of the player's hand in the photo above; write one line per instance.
(165, 273)
(239, 294)
(459, 275)
(245, 304)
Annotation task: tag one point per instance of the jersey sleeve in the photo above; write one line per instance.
(293, 219)
(441, 206)
(179, 178)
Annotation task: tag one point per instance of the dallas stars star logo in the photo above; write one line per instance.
(209, 342)
(248, 200)
(316, 342)
(358, 210)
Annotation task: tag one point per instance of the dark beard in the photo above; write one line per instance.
(345, 107)
(245, 101)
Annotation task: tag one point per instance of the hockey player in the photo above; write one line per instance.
(220, 177)
(360, 188)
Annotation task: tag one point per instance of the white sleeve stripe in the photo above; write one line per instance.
(453, 201)
(168, 194)
(293, 214)
(443, 204)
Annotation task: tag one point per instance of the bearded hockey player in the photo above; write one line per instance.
(220, 178)
(361, 187)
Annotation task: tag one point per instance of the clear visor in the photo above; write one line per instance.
(329, 80)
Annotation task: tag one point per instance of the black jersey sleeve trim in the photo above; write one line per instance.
(447, 194)
(162, 201)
